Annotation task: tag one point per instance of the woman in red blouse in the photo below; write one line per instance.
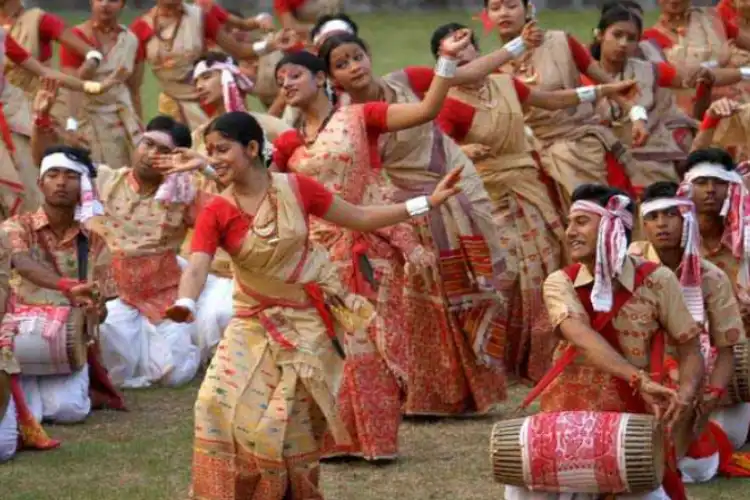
(172, 36)
(269, 395)
(338, 147)
(487, 119)
(464, 237)
(574, 147)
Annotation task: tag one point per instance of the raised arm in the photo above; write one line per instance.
(723, 108)
(561, 99)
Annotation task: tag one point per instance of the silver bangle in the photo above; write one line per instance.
(710, 64)
(445, 67)
(638, 113)
(586, 94)
(71, 125)
(94, 54)
(187, 303)
(745, 72)
(515, 47)
(261, 47)
(418, 206)
(209, 171)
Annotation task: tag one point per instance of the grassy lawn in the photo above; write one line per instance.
(145, 454)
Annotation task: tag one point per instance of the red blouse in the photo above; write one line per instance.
(72, 59)
(376, 123)
(222, 224)
(456, 117)
(212, 23)
(286, 6)
(14, 51)
(50, 29)
(663, 41)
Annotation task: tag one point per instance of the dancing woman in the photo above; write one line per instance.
(270, 392)
(338, 147)
(110, 122)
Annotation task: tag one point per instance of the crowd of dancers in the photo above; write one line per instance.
(573, 215)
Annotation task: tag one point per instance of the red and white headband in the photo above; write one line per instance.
(232, 82)
(611, 245)
(89, 204)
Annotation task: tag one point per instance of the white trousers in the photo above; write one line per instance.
(518, 493)
(735, 421)
(58, 398)
(139, 354)
(8, 432)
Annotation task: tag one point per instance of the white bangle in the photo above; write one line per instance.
(710, 64)
(71, 125)
(94, 54)
(187, 303)
(418, 206)
(261, 47)
(587, 94)
(262, 17)
(515, 47)
(745, 72)
(445, 67)
(638, 113)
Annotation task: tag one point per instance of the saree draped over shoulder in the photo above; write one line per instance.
(655, 160)
(269, 395)
(532, 232)
(369, 402)
(173, 65)
(109, 120)
(452, 375)
(574, 147)
(18, 174)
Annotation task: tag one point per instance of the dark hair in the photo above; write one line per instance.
(240, 127)
(302, 58)
(601, 194)
(661, 189)
(213, 56)
(443, 31)
(707, 155)
(334, 42)
(333, 17)
(180, 133)
(487, 2)
(616, 14)
(628, 4)
(80, 155)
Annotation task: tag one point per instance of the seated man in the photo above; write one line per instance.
(610, 310)
(53, 275)
(673, 239)
(147, 215)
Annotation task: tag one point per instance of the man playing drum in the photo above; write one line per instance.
(722, 201)
(147, 215)
(673, 239)
(50, 254)
(613, 309)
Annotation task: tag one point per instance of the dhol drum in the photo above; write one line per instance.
(48, 340)
(739, 387)
(579, 452)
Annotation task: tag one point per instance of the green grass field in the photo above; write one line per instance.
(145, 454)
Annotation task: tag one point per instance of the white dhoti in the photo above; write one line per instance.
(735, 421)
(138, 354)
(8, 432)
(62, 399)
(699, 470)
(518, 493)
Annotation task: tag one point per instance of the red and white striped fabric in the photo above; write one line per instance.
(611, 245)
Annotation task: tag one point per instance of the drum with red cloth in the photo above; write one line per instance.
(579, 452)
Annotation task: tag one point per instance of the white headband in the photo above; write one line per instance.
(659, 204)
(332, 26)
(88, 206)
(713, 171)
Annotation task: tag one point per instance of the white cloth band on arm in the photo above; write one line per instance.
(262, 17)
(187, 303)
(418, 206)
(515, 47)
(71, 125)
(94, 54)
(586, 94)
(710, 64)
(446, 68)
(745, 72)
(638, 113)
(261, 47)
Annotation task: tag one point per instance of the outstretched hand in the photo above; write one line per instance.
(532, 35)
(453, 44)
(447, 187)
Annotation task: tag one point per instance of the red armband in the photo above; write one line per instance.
(43, 122)
(65, 285)
(716, 392)
(709, 122)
